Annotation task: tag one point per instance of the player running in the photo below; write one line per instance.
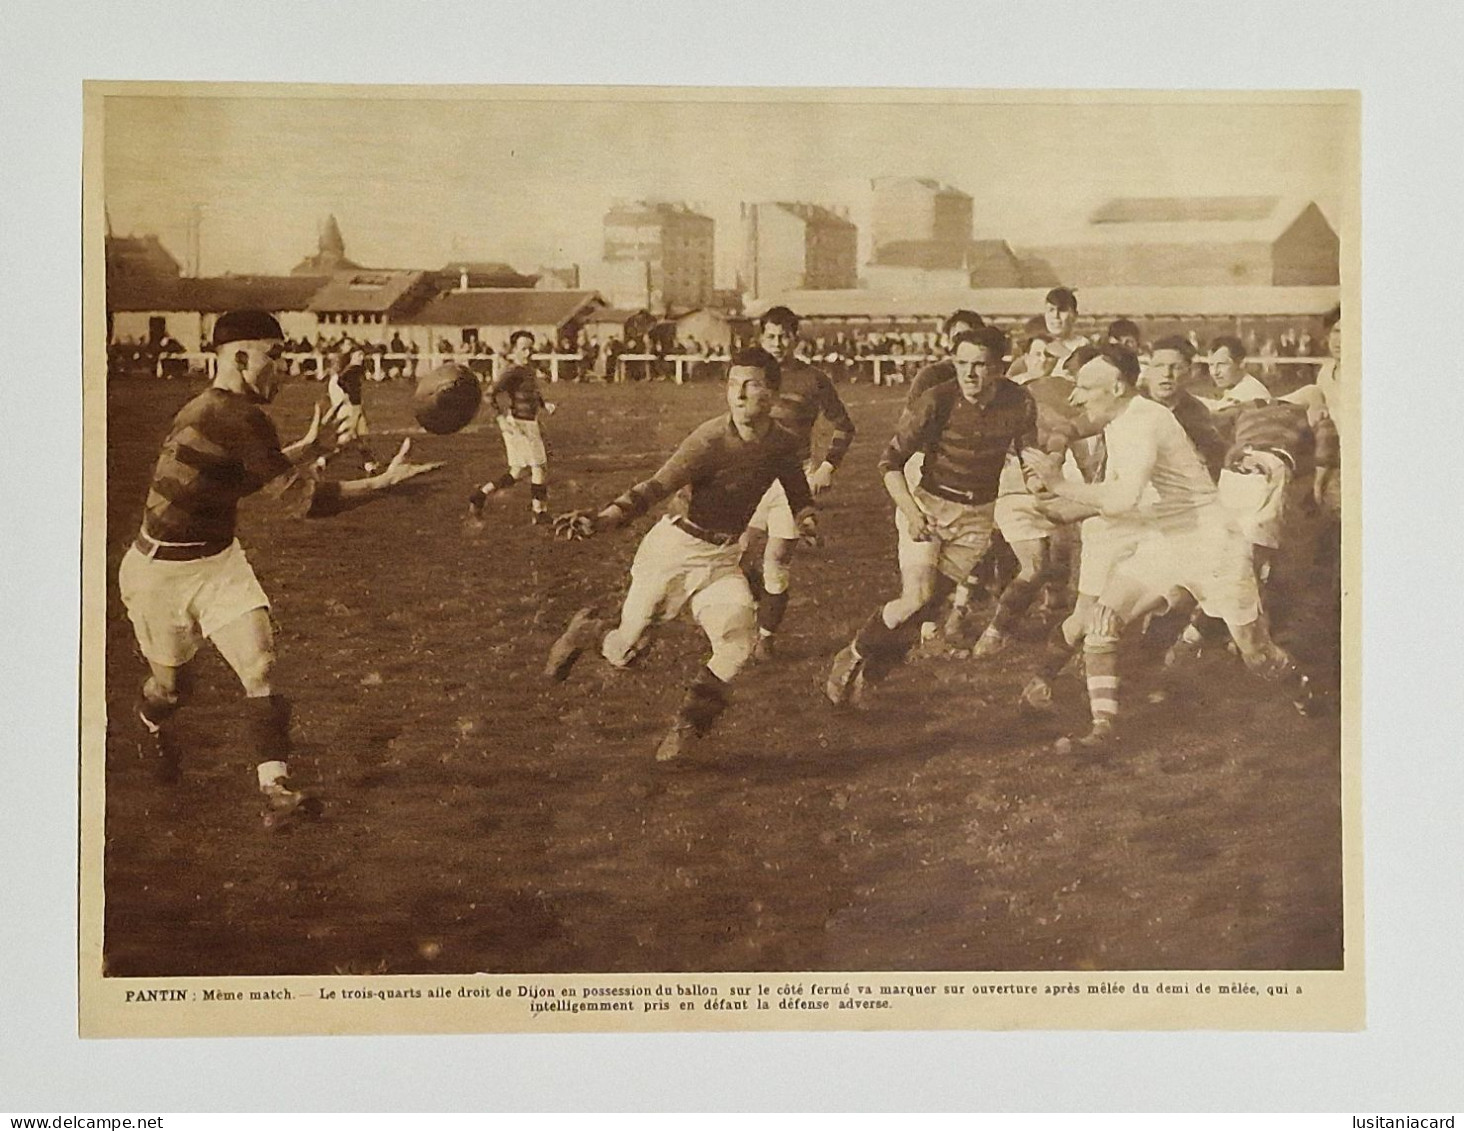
(691, 556)
(806, 394)
(517, 402)
(185, 579)
(965, 428)
(1143, 552)
(346, 392)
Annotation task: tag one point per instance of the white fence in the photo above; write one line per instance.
(884, 369)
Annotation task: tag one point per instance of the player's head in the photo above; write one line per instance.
(249, 344)
(1105, 383)
(1069, 364)
(1060, 311)
(959, 322)
(1124, 332)
(753, 380)
(1168, 369)
(777, 332)
(1227, 361)
(1040, 360)
(1332, 326)
(980, 358)
(520, 347)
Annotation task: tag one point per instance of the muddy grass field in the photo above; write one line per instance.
(478, 818)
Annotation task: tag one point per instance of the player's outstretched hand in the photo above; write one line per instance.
(821, 478)
(400, 469)
(320, 436)
(575, 526)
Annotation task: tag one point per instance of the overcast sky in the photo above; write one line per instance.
(418, 181)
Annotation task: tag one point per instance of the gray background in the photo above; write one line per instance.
(1401, 54)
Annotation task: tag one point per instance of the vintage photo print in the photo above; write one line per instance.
(628, 559)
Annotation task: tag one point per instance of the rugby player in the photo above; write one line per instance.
(965, 428)
(1142, 553)
(185, 578)
(691, 556)
(1027, 527)
(517, 403)
(805, 395)
(1164, 378)
(345, 390)
(938, 372)
(1227, 373)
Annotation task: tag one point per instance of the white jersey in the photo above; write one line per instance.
(1150, 454)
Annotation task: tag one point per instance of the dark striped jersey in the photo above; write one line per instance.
(349, 381)
(807, 393)
(965, 444)
(1283, 428)
(220, 448)
(516, 393)
(719, 478)
(1199, 425)
(937, 373)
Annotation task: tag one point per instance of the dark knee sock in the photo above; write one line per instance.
(770, 611)
(267, 727)
(706, 699)
(503, 482)
(539, 492)
(1016, 599)
(1056, 655)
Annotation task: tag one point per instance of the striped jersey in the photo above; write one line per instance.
(936, 373)
(1199, 425)
(805, 394)
(965, 444)
(516, 393)
(719, 478)
(1284, 429)
(220, 448)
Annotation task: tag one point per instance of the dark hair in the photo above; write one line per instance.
(1035, 325)
(1063, 298)
(1033, 339)
(517, 334)
(989, 336)
(779, 316)
(1176, 343)
(969, 317)
(755, 357)
(1332, 317)
(1231, 343)
(1121, 328)
(1124, 360)
(246, 326)
(1079, 358)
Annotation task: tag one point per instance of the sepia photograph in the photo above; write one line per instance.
(708, 558)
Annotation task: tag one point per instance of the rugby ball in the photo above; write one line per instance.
(447, 399)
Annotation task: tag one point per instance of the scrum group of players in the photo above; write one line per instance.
(1078, 455)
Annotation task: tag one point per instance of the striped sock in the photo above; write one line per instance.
(1102, 674)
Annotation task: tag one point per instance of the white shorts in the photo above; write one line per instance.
(1019, 520)
(175, 606)
(963, 531)
(1257, 499)
(1212, 561)
(522, 442)
(1105, 543)
(773, 513)
(673, 568)
(351, 424)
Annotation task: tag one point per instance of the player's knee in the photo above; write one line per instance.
(255, 670)
(1104, 628)
(776, 575)
(733, 637)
